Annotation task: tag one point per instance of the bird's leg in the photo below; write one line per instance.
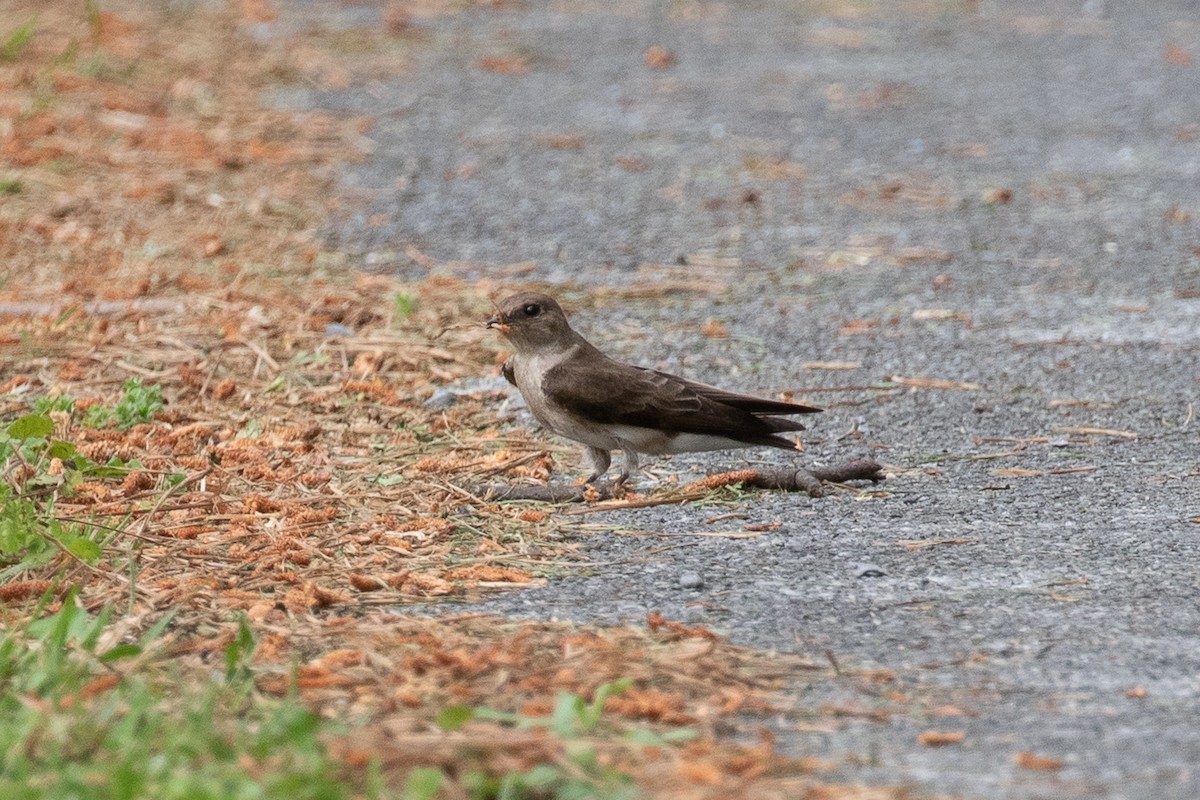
(600, 460)
(630, 459)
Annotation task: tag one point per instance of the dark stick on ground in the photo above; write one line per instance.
(783, 479)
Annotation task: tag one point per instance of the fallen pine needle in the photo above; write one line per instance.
(641, 502)
(1029, 760)
(720, 517)
(941, 738)
(989, 456)
(912, 545)
(1089, 431)
(940, 314)
(933, 383)
(832, 365)
(707, 534)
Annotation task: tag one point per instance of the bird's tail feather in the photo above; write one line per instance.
(781, 424)
(778, 442)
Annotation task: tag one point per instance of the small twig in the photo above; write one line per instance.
(606, 492)
(262, 353)
(154, 375)
(785, 479)
(211, 373)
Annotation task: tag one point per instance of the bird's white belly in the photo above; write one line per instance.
(657, 443)
(528, 372)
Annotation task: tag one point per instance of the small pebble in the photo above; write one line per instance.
(442, 398)
(868, 571)
(335, 329)
(1059, 443)
(691, 580)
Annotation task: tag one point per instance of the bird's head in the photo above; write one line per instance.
(532, 321)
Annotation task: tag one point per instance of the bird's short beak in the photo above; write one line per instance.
(495, 324)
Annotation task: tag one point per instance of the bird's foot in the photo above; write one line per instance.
(596, 487)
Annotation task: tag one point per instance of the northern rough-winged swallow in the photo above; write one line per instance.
(581, 394)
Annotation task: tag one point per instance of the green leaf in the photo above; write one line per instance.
(60, 402)
(590, 717)
(11, 49)
(423, 784)
(405, 304)
(31, 426)
(452, 718)
(389, 480)
(69, 622)
(62, 450)
(139, 404)
(92, 9)
(480, 784)
(113, 468)
(239, 652)
(119, 652)
(567, 718)
(648, 737)
(510, 787)
(644, 736)
(582, 755)
(95, 627)
(84, 549)
(543, 777)
(97, 416)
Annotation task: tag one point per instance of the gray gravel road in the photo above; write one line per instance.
(998, 195)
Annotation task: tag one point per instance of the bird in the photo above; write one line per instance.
(576, 391)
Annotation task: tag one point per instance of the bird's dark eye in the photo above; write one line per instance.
(532, 310)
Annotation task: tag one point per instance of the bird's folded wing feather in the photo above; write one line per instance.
(609, 392)
(746, 402)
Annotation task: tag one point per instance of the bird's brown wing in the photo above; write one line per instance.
(746, 402)
(611, 393)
